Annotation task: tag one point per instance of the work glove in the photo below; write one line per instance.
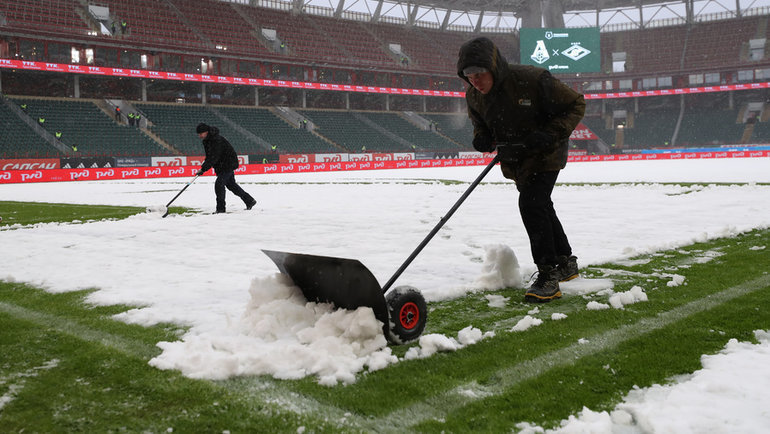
(511, 152)
(483, 143)
(538, 141)
(199, 172)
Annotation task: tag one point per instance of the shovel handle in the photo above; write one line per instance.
(440, 224)
(177, 195)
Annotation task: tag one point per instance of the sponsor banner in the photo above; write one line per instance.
(202, 78)
(87, 162)
(577, 152)
(133, 161)
(219, 79)
(328, 158)
(97, 174)
(295, 158)
(672, 156)
(169, 161)
(30, 164)
(582, 132)
(729, 148)
(198, 160)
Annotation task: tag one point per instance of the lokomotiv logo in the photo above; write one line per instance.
(360, 157)
(331, 158)
(104, 173)
(34, 175)
(79, 174)
(173, 161)
(132, 172)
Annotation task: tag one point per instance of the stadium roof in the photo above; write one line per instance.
(504, 15)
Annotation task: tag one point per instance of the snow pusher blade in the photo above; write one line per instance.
(346, 283)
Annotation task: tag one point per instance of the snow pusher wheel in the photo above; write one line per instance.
(407, 313)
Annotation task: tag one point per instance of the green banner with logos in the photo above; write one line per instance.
(561, 50)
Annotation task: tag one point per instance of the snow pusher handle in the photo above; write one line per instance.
(177, 195)
(440, 224)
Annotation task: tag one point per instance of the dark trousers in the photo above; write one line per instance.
(227, 180)
(546, 235)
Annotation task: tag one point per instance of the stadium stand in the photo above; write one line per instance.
(19, 139)
(277, 132)
(456, 126)
(355, 132)
(346, 52)
(84, 125)
(175, 124)
(418, 139)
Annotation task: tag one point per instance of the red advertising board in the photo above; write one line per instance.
(90, 174)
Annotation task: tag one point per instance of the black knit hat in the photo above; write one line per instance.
(202, 128)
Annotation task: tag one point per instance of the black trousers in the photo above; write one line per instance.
(227, 180)
(546, 235)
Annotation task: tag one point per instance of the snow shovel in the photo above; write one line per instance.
(177, 195)
(348, 284)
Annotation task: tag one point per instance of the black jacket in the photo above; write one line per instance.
(219, 153)
(524, 99)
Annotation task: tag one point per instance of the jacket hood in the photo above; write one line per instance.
(481, 52)
(213, 131)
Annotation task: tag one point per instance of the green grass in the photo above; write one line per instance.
(68, 366)
(29, 213)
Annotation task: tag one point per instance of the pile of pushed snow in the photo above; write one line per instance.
(500, 269)
(283, 335)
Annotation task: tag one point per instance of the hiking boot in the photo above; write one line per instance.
(546, 286)
(250, 205)
(567, 268)
(220, 211)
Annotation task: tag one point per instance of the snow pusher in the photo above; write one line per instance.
(348, 284)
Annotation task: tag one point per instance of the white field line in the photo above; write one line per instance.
(441, 405)
(66, 326)
(19, 380)
(436, 407)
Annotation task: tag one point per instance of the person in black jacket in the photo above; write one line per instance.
(527, 115)
(221, 156)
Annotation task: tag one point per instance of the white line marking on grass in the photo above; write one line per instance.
(79, 331)
(438, 406)
(19, 380)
